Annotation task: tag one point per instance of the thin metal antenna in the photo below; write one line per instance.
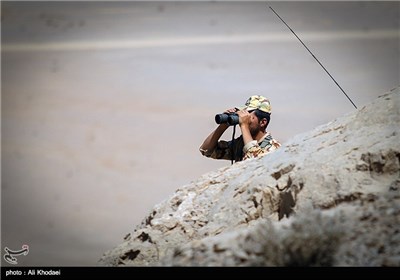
(314, 57)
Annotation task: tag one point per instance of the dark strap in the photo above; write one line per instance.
(232, 146)
(266, 142)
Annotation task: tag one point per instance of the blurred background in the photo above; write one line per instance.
(105, 104)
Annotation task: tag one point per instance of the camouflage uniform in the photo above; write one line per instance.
(252, 149)
(224, 149)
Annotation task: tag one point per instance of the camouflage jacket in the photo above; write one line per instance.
(224, 149)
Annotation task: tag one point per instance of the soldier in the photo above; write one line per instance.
(254, 118)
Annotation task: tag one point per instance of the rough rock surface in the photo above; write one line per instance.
(330, 196)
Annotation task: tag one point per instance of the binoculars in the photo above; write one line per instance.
(231, 119)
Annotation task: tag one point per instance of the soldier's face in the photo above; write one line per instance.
(254, 125)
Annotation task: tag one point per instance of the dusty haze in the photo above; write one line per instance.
(104, 104)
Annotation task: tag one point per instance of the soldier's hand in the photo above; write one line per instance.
(244, 117)
(230, 111)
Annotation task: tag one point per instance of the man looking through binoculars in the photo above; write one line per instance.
(253, 119)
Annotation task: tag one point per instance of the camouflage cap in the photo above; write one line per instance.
(257, 102)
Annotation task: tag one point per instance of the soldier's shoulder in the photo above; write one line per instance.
(269, 141)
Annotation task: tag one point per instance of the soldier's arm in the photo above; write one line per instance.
(210, 143)
(244, 122)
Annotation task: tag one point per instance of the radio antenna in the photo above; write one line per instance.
(314, 57)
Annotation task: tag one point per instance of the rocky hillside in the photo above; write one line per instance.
(330, 196)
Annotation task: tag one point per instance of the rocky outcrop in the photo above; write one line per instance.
(327, 197)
